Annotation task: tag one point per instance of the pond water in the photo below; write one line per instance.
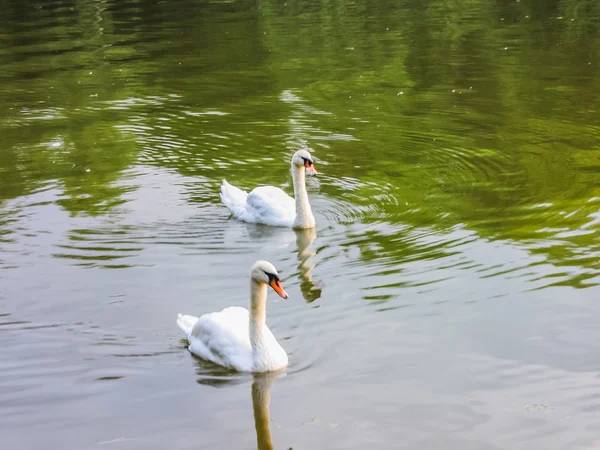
(448, 296)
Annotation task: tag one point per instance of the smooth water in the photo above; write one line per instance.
(449, 296)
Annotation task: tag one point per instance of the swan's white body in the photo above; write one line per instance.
(235, 337)
(270, 205)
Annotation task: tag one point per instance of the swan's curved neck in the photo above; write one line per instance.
(258, 312)
(304, 215)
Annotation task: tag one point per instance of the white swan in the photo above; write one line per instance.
(270, 205)
(236, 338)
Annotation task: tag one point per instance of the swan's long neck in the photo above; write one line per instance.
(304, 215)
(258, 312)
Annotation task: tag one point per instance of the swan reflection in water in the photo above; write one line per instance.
(261, 399)
(304, 238)
(261, 396)
(311, 291)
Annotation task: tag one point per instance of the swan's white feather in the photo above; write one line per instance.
(234, 198)
(267, 205)
(224, 338)
(186, 322)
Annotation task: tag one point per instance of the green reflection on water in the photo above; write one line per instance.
(472, 113)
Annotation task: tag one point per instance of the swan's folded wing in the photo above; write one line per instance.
(223, 337)
(271, 205)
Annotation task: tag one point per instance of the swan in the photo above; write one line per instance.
(237, 338)
(270, 205)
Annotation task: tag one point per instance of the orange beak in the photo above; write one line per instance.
(310, 167)
(277, 287)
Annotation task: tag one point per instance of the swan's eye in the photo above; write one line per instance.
(272, 276)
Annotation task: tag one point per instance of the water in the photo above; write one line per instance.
(448, 298)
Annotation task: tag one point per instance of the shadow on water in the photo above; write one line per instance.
(211, 374)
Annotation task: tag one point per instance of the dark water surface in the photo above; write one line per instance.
(449, 297)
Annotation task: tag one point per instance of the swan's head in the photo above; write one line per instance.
(303, 158)
(265, 272)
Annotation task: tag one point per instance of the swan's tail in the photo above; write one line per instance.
(186, 323)
(234, 198)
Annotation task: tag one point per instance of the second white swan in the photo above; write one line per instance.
(237, 338)
(270, 205)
